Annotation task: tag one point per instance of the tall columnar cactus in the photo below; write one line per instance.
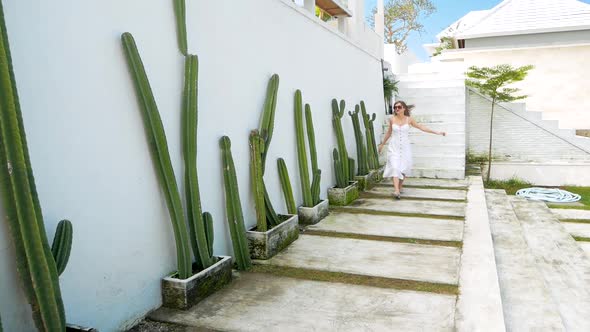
(35, 262)
(301, 151)
(180, 13)
(160, 155)
(337, 114)
(196, 224)
(62, 245)
(373, 154)
(341, 180)
(361, 151)
(316, 172)
(233, 206)
(286, 186)
(208, 221)
(256, 151)
(351, 169)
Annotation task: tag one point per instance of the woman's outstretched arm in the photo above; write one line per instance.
(425, 129)
(387, 135)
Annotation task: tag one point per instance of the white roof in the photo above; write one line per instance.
(514, 17)
(464, 23)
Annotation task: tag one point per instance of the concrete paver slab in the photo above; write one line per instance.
(392, 226)
(577, 229)
(426, 263)
(261, 302)
(571, 214)
(564, 266)
(421, 193)
(526, 299)
(428, 208)
(585, 246)
(423, 182)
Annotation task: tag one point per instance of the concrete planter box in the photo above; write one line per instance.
(313, 215)
(264, 245)
(77, 328)
(343, 196)
(378, 174)
(185, 293)
(365, 182)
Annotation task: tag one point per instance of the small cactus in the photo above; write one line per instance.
(315, 186)
(351, 169)
(62, 245)
(373, 154)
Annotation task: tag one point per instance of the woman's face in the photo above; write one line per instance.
(398, 108)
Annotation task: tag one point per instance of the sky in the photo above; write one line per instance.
(447, 12)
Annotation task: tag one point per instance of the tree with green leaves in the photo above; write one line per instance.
(401, 18)
(493, 82)
(389, 88)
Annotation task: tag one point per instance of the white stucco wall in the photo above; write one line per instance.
(558, 86)
(87, 141)
(399, 62)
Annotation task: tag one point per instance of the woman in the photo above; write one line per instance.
(399, 150)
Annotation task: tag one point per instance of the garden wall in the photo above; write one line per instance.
(88, 146)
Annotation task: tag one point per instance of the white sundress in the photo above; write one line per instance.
(399, 152)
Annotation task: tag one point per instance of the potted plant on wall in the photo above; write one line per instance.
(272, 232)
(313, 209)
(346, 189)
(193, 281)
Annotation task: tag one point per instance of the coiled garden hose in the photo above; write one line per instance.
(548, 195)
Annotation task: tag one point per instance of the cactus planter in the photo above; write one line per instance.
(185, 293)
(343, 196)
(264, 245)
(365, 182)
(313, 215)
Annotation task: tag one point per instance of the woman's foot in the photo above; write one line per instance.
(396, 196)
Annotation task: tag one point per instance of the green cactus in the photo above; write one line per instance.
(190, 121)
(62, 245)
(180, 13)
(315, 186)
(337, 114)
(256, 152)
(35, 262)
(286, 185)
(301, 152)
(373, 154)
(311, 138)
(341, 180)
(208, 222)
(160, 155)
(361, 151)
(233, 206)
(351, 169)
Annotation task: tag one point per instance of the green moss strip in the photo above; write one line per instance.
(375, 195)
(456, 244)
(568, 207)
(424, 187)
(577, 221)
(355, 279)
(581, 238)
(387, 213)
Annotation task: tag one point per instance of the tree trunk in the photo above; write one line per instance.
(491, 136)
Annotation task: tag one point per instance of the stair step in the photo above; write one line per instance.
(424, 138)
(564, 266)
(391, 226)
(421, 193)
(433, 183)
(439, 161)
(436, 116)
(449, 92)
(431, 84)
(526, 299)
(406, 207)
(577, 229)
(571, 214)
(406, 261)
(427, 149)
(439, 173)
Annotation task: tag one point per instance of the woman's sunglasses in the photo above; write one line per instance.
(397, 107)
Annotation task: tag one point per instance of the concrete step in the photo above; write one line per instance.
(406, 261)
(571, 214)
(447, 93)
(406, 207)
(526, 298)
(420, 193)
(448, 127)
(439, 161)
(577, 229)
(586, 247)
(439, 83)
(563, 264)
(418, 77)
(434, 102)
(262, 302)
(432, 183)
(424, 138)
(439, 173)
(391, 226)
(426, 149)
(436, 116)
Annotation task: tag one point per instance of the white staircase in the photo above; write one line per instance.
(439, 100)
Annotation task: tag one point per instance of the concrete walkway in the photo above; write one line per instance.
(378, 265)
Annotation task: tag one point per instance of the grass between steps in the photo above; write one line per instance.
(355, 279)
(581, 238)
(376, 195)
(576, 221)
(387, 213)
(455, 244)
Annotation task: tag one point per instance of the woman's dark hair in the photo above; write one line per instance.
(407, 108)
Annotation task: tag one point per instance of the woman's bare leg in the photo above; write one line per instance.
(401, 185)
(396, 185)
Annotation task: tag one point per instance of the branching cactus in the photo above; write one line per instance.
(373, 154)
(341, 180)
(301, 152)
(256, 151)
(315, 186)
(286, 186)
(361, 151)
(316, 172)
(62, 245)
(34, 259)
(160, 156)
(337, 114)
(233, 207)
(180, 13)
